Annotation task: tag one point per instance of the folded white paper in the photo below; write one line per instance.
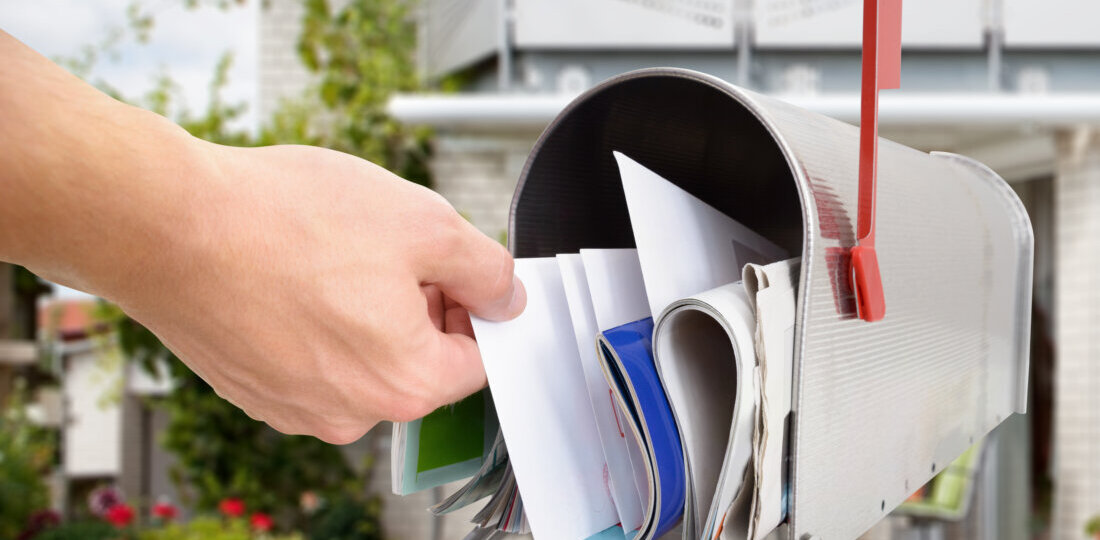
(685, 246)
(545, 415)
(615, 284)
(609, 420)
(772, 289)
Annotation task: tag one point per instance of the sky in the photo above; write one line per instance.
(185, 44)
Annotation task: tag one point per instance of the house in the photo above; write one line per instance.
(107, 426)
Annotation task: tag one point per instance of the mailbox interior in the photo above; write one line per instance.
(693, 134)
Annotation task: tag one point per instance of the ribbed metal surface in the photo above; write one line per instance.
(879, 407)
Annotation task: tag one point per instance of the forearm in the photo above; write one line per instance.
(83, 176)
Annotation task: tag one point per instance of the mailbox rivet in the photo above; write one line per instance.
(933, 467)
(883, 505)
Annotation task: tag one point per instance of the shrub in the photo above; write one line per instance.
(209, 528)
(83, 530)
(26, 454)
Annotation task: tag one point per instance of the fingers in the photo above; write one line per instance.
(456, 319)
(475, 271)
(436, 307)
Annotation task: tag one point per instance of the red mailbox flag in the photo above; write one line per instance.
(881, 70)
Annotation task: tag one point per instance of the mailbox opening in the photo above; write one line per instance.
(687, 130)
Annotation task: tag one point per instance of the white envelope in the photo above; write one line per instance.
(541, 398)
(609, 420)
(618, 297)
(615, 282)
(685, 246)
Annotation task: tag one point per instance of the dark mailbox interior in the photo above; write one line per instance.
(689, 131)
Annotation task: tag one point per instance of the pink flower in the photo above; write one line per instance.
(231, 507)
(120, 515)
(102, 499)
(309, 502)
(165, 511)
(261, 522)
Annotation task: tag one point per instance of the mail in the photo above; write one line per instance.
(645, 389)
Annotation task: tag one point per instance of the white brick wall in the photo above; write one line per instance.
(1077, 329)
(478, 175)
(282, 75)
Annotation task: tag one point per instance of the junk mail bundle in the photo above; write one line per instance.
(644, 385)
(691, 355)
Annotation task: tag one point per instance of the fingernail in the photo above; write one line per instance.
(519, 298)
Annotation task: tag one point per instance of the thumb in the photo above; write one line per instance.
(477, 272)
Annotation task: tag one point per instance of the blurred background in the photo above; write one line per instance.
(104, 433)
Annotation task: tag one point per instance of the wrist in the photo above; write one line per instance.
(117, 226)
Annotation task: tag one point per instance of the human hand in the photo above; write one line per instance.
(321, 293)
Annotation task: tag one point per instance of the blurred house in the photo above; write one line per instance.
(107, 426)
(1012, 83)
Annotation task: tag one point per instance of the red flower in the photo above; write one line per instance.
(232, 507)
(262, 522)
(165, 511)
(120, 515)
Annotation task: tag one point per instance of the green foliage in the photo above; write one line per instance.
(213, 125)
(209, 528)
(83, 530)
(26, 453)
(349, 518)
(27, 288)
(1092, 527)
(361, 54)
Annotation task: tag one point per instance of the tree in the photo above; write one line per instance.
(361, 55)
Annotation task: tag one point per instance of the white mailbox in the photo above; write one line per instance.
(879, 408)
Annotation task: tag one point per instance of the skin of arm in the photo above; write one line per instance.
(316, 291)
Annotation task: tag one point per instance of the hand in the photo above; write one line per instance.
(321, 293)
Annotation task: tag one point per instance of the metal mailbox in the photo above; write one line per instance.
(879, 408)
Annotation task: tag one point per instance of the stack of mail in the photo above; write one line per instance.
(642, 389)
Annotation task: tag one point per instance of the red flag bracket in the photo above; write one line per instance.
(881, 70)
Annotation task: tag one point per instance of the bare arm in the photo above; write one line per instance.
(315, 290)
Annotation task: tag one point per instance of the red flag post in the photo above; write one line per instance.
(881, 69)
